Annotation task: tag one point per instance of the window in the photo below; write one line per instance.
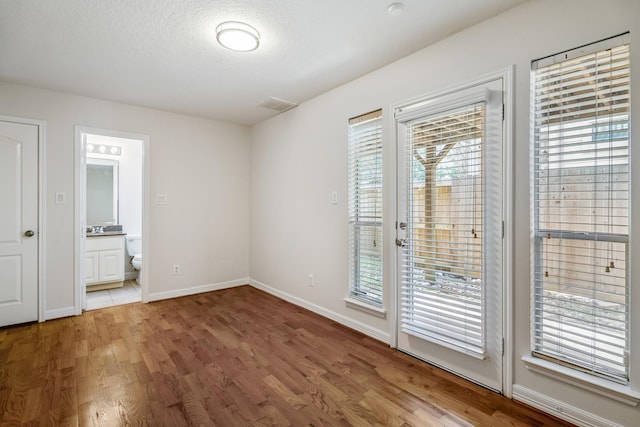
(365, 208)
(581, 139)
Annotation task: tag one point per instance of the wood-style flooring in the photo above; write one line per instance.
(237, 357)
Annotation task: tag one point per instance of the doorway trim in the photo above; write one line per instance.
(507, 74)
(80, 200)
(42, 210)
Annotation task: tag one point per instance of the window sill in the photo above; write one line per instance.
(366, 308)
(618, 392)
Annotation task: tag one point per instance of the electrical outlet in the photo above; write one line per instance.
(310, 281)
(176, 269)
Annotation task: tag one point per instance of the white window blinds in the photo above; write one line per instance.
(581, 140)
(365, 207)
(442, 271)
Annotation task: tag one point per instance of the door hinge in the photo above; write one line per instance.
(503, 346)
(503, 229)
(503, 112)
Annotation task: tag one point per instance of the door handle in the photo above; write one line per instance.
(29, 233)
(401, 242)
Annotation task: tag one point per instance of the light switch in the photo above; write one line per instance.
(161, 199)
(334, 197)
(60, 197)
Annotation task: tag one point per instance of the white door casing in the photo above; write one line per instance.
(481, 362)
(19, 226)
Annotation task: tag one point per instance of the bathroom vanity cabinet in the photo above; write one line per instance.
(104, 262)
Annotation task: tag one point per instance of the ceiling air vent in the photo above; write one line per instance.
(277, 104)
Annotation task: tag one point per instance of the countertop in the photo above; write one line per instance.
(107, 234)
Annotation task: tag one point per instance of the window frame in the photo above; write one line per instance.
(363, 296)
(540, 362)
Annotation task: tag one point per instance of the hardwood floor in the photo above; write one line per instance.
(236, 357)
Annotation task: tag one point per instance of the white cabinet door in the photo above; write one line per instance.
(111, 265)
(105, 260)
(91, 267)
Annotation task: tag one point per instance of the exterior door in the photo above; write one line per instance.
(449, 236)
(18, 223)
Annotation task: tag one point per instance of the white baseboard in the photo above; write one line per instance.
(157, 296)
(559, 409)
(130, 275)
(59, 312)
(353, 324)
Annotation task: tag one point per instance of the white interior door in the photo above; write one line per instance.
(18, 223)
(450, 225)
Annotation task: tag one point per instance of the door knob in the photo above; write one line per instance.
(29, 233)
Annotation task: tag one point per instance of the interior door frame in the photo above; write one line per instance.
(507, 176)
(80, 198)
(42, 208)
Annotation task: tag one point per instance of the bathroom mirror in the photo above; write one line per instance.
(102, 192)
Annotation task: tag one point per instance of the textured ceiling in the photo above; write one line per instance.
(163, 53)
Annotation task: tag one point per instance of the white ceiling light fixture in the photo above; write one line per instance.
(238, 36)
(114, 150)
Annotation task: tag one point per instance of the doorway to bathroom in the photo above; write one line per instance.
(111, 208)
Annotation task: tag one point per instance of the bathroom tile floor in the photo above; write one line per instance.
(128, 293)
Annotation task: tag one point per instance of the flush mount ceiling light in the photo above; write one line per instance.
(238, 36)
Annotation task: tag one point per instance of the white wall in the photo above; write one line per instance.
(299, 157)
(201, 165)
(130, 184)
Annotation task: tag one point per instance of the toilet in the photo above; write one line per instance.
(134, 249)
